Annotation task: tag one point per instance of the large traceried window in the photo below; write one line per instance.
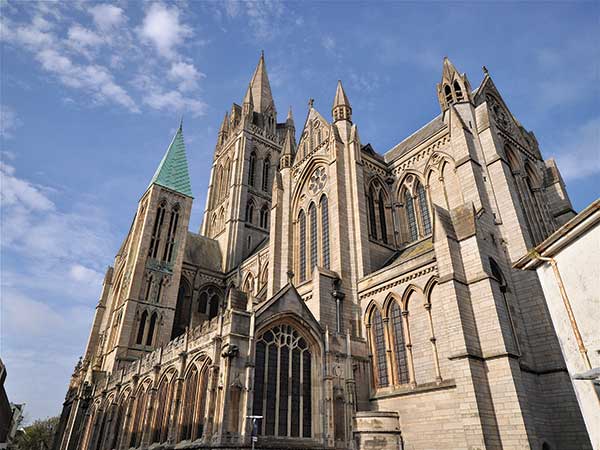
(283, 383)
(302, 245)
(399, 344)
(314, 237)
(417, 218)
(252, 169)
(378, 348)
(325, 230)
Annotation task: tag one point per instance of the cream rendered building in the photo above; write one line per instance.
(352, 299)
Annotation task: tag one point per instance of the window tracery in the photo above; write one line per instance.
(283, 363)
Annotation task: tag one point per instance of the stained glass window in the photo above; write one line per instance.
(372, 221)
(325, 230)
(379, 347)
(283, 362)
(399, 345)
(424, 209)
(312, 213)
(302, 245)
(410, 216)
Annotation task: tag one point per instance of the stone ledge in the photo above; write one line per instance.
(419, 389)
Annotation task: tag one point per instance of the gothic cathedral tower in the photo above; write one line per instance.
(246, 158)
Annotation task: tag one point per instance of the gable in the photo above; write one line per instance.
(287, 302)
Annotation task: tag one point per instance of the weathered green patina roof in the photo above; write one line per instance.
(172, 171)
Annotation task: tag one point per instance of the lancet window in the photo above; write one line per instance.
(378, 349)
(156, 230)
(170, 245)
(397, 327)
(252, 169)
(283, 366)
(302, 245)
(376, 204)
(139, 414)
(264, 217)
(250, 212)
(266, 174)
(209, 301)
(415, 211)
(162, 409)
(325, 231)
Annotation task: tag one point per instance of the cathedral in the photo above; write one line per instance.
(336, 296)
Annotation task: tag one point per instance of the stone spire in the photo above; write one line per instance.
(448, 69)
(261, 88)
(248, 103)
(172, 172)
(341, 105)
(289, 121)
(289, 148)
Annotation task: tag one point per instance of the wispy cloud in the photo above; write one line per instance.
(9, 121)
(579, 151)
(263, 17)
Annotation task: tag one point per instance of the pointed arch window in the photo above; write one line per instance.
(148, 288)
(458, 91)
(372, 220)
(284, 364)
(156, 229)
(162, 409)
(379, 351)
(325, 231)
(399, 344)
(170, 245)
(252, 169)
(382, 217)
(411, 218)
(138, 417)
(142, 327)
(424, 210)
(250, 212)
(448, 94)
(264, 217)
(266, 174)
(193, 404)
(314, 257)
(302, 245)
(151, 328)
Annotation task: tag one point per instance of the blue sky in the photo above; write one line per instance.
(92, 93)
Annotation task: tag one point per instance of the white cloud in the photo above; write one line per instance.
(9, 121)
(107, 16)
(262, 16)
(82, 274)
(174, 101)
(162, 27)
(578, 154)
(186, 75)
(18, 192)
(82, 39)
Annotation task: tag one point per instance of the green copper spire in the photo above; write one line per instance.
(172, 171)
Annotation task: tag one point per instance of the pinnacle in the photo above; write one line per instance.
(340, 96)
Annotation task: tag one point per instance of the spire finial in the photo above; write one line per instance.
(181, 123)
(485, 70)
(311, 102)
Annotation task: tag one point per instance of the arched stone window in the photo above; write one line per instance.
(162, 409)
(142, 328)
(372, 219)
(183, 309)
(209, 301)
(139, 414)
(151, 328)
(283, 366)
(314, 236)
(250, 211)
(156, 230)
(301, 246)
(101, 427)
(266, 174)
(497, 275)
(411, 218)
(148, 288)
(170, 243)
(119, 420)
(325, 231)
(382, 217)
(458, 91)
(397, 327)
(448, 94)
(424, 210)
(264, 217)
(378, 349)
(193, 403)
(252, 169)
(248, 286)
(224, 187)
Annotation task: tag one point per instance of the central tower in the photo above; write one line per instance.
(246, 159)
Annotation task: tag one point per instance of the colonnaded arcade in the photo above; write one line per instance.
(354, 299)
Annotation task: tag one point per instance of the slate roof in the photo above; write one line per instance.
(172, 171)
(414, 139)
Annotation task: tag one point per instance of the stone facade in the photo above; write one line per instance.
(351, 299)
